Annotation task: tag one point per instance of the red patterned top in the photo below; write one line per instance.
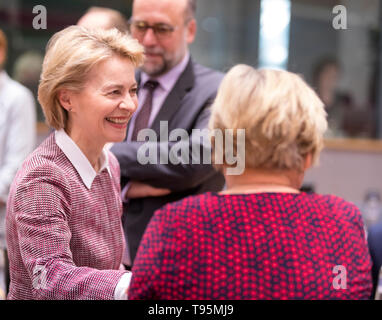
(254, 246)
(63, 238)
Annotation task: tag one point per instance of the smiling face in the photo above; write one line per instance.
(100, 112)
(163, 53)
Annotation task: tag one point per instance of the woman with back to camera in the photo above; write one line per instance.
(64, 232)
(261, 238)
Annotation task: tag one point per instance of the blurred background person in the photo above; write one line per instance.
(17, 131)
(261, 238)
(103, 18)
(177, 91)
(326, 77)
(64, 230)
(27, 70)
(345, 118)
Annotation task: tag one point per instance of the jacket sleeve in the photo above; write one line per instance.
(42, 213)
(181, 171)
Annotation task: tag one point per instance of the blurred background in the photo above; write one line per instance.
(343, 66)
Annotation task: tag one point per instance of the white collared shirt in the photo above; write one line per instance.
(17, 129)
(88, 174)
(167, 82)
(79, 160)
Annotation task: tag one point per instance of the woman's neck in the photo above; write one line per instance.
(264, 180)
(89, 147)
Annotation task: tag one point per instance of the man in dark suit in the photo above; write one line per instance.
(374, 240)
(174, 93)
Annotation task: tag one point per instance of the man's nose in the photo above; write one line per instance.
(149, 39)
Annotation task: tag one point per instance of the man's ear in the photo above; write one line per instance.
(191, 31)
(65, 97)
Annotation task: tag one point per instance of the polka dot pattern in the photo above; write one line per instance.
(253, 246)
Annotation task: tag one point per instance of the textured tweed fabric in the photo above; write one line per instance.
(65, 240)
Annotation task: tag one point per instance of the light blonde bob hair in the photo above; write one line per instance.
(70, 55)
(283, 118)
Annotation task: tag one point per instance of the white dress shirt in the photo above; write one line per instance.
(167, 82)
(17, 129)
(17, 135)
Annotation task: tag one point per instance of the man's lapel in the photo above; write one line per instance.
(174, 98)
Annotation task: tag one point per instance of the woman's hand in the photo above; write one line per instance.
(142, 190)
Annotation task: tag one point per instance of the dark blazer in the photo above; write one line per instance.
(374, 240)
(186, 107)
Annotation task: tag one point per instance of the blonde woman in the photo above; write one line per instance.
(64, 233)
(261, 238)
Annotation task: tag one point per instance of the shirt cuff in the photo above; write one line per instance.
(124, 193)
(120, 292)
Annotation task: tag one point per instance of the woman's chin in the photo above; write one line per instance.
(115, 137)
(118, 138)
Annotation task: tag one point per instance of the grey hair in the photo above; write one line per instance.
(191, 9)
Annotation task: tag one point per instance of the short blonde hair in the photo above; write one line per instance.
(283, 118)
(70, 55)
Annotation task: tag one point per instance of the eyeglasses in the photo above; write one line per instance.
(161, 30)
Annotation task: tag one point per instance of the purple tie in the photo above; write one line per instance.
(142, 119)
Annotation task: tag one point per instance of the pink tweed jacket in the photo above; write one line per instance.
(65, 240)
